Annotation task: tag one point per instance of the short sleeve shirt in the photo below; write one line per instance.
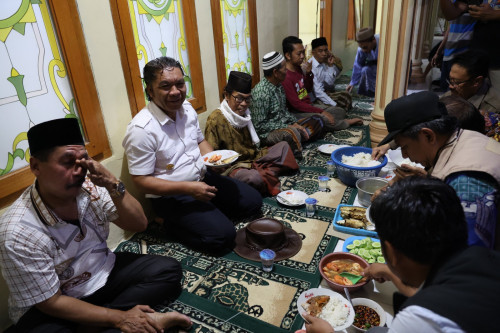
(159, 146)
(40, 253)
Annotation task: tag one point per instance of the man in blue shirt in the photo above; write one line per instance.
(364, 71)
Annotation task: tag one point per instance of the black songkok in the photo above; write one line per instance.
(54, 133)
(318, 42)
(240, 82)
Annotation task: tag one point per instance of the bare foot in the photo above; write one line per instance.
(171, 319)
(354, 121)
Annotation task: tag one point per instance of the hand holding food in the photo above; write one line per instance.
(317, 325)
(378, 272)
(407, 170)
(379, 152)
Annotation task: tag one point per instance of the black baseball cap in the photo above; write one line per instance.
(406, 111)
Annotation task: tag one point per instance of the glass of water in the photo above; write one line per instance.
(323, 183)
(267, 258)
(330, 168)
(311, 206)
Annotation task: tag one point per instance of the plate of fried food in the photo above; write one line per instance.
(328, 305)
(353, 220)
(220, 158)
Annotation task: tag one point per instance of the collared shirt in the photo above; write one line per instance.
(486, 99)
(40, 253)
(269, 111)
(359, 62)
(164, 148)
(419, 319)
(324, 80)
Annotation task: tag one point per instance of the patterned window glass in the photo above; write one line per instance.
(236, 36)
(159, 30)
(34, 86)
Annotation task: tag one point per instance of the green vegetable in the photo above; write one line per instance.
(367, 249)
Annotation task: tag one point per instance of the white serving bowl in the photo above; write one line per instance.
(371, 304)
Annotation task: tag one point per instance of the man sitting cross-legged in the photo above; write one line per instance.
(61, 275)
(271, 118)
(298, 84)
(164, 146)
(326, 67)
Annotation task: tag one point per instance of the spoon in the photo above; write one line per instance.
(348, 296)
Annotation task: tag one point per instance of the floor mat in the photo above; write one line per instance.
(233, 294)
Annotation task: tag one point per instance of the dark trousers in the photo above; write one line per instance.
(135, 279)
(206, 226)
(445, 75)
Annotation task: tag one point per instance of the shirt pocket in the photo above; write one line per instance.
(165, 158)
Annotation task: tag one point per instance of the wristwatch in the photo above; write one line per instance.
(118, 189)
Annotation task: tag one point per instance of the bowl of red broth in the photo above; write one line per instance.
(367, 314)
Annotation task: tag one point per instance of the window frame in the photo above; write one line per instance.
(66, 22)
(128, 55)
(219, 43)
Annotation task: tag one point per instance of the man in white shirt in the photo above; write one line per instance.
(326, 67)
(164, 147)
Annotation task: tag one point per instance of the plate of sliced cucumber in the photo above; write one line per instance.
(365, 247)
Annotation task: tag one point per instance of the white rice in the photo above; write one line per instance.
(335, 312)
(410, 163)
(360, 160)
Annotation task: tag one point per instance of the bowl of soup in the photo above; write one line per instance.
(367, 314)
(332, 265)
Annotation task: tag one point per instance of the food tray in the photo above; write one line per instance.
(348, 230)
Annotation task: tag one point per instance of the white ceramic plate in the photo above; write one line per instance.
(330, 148)
(292, 198)
(397, 158)
(324, 291)
(225, 154)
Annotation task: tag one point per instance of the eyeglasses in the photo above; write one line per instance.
(455, 83)
(240, 99)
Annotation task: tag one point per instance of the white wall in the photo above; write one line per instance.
(343, 48)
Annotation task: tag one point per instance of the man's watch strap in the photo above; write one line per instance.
(118, 189)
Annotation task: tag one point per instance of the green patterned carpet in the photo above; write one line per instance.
(232, 294)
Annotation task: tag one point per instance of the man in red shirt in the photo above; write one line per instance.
(299, 81)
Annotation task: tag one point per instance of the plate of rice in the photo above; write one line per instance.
(337, 311)
(397, 158)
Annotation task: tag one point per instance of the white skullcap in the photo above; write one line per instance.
(271, 60)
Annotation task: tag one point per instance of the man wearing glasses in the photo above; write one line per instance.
(469, 80)
(164, 146)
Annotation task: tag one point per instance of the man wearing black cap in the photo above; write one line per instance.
(364, 70)
(326, 67)
(164, 146)
(467, 160)
(60, 273)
